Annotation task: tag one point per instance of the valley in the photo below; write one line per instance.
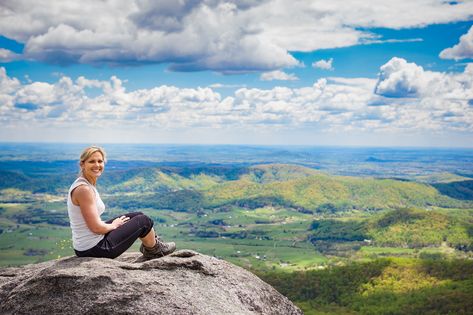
(287, 222)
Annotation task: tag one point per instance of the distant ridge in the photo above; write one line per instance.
(293, 186)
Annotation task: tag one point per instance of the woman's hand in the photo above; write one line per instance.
(119, 221)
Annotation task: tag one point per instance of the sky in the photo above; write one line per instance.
(274, 72)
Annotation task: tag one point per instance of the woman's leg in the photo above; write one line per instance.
(129, 214)
(116, 242)
(152, 246)
(149, 240)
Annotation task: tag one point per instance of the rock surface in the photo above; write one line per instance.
(184, 282)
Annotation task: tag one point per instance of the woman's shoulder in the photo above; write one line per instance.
(80, 184)
(82, 191)
(83, 187)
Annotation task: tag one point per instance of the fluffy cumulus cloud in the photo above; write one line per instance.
(401, 79)
(462, 50)
(221, 35)
(323, 64)
(278, 75)
(425, 99)
(398, 78)
(405, 97)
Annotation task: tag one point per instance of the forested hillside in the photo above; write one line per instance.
(383, 286)
(326, 241)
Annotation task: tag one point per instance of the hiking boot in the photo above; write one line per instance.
(160, 249)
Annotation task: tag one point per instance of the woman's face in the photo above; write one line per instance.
(93, 166)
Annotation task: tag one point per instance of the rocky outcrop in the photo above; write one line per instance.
(184, 282)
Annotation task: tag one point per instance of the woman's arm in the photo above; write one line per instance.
(83, 196)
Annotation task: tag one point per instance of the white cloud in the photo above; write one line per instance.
(462, 50)
(226, 86)
(405, 98)
(8, 55)
(323, 64)
(399, 78)
(7, 85)
(219, 35)
(376, 40)
(278, 75)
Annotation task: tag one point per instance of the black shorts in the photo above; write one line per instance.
(117, 241)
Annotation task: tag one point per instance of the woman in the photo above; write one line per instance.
(92, 237)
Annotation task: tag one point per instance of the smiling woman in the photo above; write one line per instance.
(92, 237)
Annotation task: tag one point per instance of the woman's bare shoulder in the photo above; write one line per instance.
(82, 191)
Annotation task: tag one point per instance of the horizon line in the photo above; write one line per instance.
(236, 145)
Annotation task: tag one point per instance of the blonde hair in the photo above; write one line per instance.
(87, 153)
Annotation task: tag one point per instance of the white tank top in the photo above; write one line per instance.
(82, 237)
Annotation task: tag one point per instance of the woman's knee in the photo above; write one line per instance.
(145, 218)
(146, 222)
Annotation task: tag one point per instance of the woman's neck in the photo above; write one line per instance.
(91, 180)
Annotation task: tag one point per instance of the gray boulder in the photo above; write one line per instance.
(184, 282)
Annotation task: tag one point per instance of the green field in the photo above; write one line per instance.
(333, 244)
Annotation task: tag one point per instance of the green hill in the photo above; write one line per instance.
(317, 192)
(462, 190)
(407, 227)
(297, 187)
(270, 173)
(386, 286)
(329, 229)
(155, 180)
(438, 178)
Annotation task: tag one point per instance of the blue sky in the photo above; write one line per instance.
(237, 72)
